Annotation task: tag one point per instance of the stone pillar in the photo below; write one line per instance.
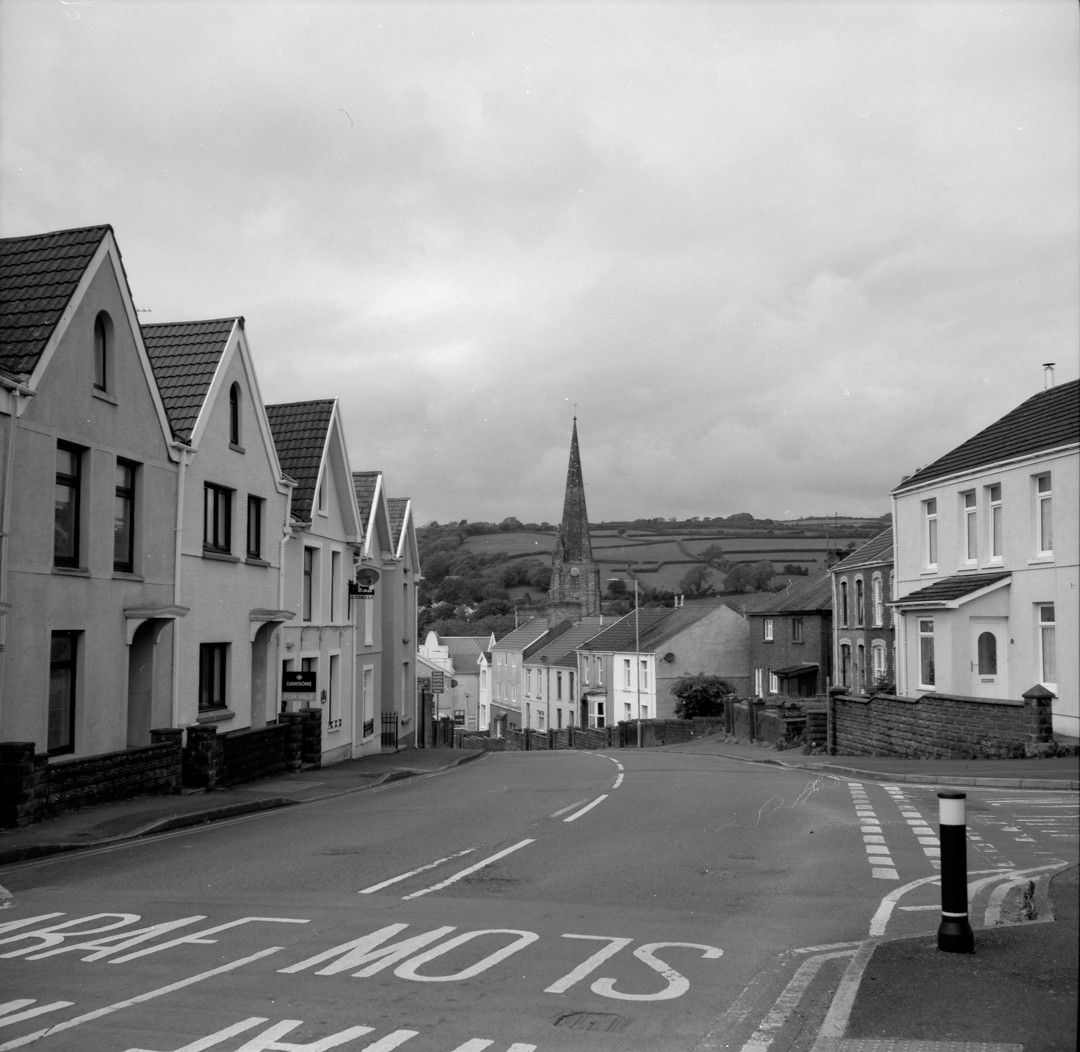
(18, 806)
(202, 762)
(1039, 710)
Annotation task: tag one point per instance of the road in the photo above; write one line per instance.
(534, 902)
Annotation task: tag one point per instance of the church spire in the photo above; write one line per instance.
(575, 578)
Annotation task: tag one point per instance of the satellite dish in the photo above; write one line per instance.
(366, 577)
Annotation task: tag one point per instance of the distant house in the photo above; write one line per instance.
(864, 640)
(628, 670)
(322, 544)
(507, 658)
(986, 553)
(89, 594)
(235, 504)
(791, 640)
(550, 687)
(386, 617)
(459, 657)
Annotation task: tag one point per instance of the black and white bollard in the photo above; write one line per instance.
(954, 933)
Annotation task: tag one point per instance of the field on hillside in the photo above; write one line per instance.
(662, 560)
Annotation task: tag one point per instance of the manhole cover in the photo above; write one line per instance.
(599, 1021)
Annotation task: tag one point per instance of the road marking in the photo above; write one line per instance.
(471, 869)
(618, 780)
(568, 807)
(56, 1028)
(587, 807)
(789, 1000)
(879, 856)
(413, 872)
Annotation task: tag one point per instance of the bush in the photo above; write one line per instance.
(700, 695)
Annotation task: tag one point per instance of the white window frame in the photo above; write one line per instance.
(970, 516)
(924, 627)
(1047, 628)
(930, 533)
(1044, 514)
(767, 630)
(877, 600)
(995, 504)
(860, 602)
(774, 682)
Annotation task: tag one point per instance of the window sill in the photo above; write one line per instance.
(236, 449)
(215, 716)
(71, 571)
(223, 557)
(1042, 560)
(104, 396)
(127, 575)
(254, 561)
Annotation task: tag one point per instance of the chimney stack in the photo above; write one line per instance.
(1048, 375)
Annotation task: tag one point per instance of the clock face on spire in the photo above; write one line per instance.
(575, 571)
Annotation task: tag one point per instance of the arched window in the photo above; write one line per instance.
(843, 603)
(103, 332)
(234, 415)
(987, 647)
(860, 604)
(877, 600)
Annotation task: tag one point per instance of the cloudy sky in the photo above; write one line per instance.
(774, 254)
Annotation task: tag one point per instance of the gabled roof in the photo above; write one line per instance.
(398, 508)
(563, 646)
(523, 635)
(950, 589)
(875, 551)
(1047, 420)
(811, 595)
(464, 651)
(185, 356)
(621, 636)
(39, 274)
(365, 484)
(301, 431)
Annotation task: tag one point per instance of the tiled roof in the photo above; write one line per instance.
(464, 650)
(184, 356)
(1047, 420)
(876, 550)
(949, 589)
(621, 635)
(364, 483)
(564, 645)
(812, 594)
(523, 635)
(397, 507)
(300, 430)
(38, 276)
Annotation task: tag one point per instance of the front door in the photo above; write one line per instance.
(989, 656)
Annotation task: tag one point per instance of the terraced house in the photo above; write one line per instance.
(154, 544)
(90, 597)
(986, 555)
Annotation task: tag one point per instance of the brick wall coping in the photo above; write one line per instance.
(865, 699)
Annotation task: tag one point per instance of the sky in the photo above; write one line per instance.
(774, 255)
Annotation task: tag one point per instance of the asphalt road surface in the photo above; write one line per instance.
(644, 901)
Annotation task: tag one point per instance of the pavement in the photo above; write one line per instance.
(1018, 991)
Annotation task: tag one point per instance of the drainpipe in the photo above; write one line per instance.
(185, 452)
(17, 390)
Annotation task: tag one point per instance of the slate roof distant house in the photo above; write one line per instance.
(791, 639)
(628, 671)
(459, 657)
(301, 432)
(864, 638)
(988, 562)
(551, 691)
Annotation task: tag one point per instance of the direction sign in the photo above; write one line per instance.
(437, 682)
